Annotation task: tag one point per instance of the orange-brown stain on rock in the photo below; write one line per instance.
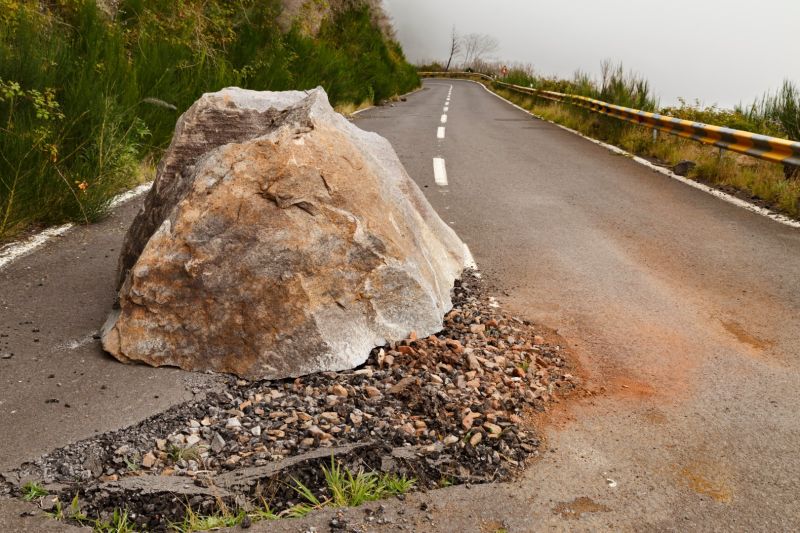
(576, 508)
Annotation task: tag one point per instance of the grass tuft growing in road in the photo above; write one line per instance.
(33, 491)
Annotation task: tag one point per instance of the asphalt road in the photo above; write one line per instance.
(683, 310)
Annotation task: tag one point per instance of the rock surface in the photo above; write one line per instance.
(279, 240)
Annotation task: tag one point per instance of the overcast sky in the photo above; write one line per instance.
(720, 51)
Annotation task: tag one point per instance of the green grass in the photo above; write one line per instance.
(188, 453)
(85, 100)
(351, 490)
(343, 488)
(33, 491)
(119, 522)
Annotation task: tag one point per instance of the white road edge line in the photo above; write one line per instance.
(439, 172)
(763, 211)
(446, 109)
(440, 133)
(12, 252)
(444, 119)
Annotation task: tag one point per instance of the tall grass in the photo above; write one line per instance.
(85, 98)
(779, 110)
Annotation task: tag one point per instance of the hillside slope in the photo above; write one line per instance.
(89, 90)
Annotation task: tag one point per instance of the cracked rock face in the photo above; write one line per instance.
(278, 240)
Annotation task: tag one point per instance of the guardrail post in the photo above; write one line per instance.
(655, 135)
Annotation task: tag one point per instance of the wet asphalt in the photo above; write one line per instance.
(682, 311)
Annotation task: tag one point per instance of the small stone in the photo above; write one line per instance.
(123, 450)
(338, 390)
(450, 440)
(407, 350)
(356, 419)
(232, 460)
(316, 432)
(538, 339)
(191, 440)
(372, 392)
(161, 444)
(468, 419)
(256, 431)
(476, 439)
(454, 345)
(493, 429)
(217, 443)
(307, 443)
(477, 328)
(233, 423)
(148, 460)
(330, 416)
(401, 385)
(332, 399)
(205, 422)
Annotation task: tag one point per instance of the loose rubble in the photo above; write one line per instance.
(445, 409)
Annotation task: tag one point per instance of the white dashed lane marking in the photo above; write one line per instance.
(440, 133)
(444, 119)
(439, 172)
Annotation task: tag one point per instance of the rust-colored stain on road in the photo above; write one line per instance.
(708, 483)
(579, 506)
(736, 329)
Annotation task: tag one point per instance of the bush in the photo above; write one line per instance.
(85, 97)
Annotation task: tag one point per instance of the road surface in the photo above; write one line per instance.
(683, 311)
(684, 308)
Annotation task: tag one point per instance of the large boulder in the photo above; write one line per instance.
(278, 240)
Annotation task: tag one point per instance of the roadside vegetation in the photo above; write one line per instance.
(776, 114)
(343, 488)
(89, 97)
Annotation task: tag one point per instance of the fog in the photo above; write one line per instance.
(722, 52)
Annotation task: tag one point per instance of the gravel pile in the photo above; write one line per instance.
(445, 409)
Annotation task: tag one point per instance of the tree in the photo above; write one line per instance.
(455, 48)
(476, 46)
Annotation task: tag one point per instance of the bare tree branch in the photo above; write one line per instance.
(477, 46)
(455, 48)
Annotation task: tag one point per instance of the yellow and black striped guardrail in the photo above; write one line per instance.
(771, 149)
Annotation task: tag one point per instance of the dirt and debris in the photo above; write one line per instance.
(446, 409)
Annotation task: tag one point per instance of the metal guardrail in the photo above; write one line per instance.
(771, 149)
